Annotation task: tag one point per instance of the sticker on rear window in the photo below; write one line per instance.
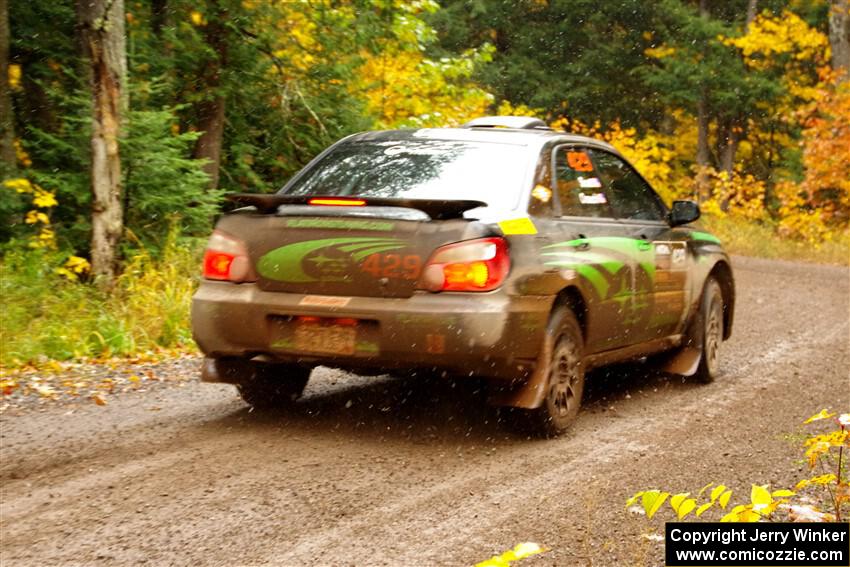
(589, 183)
(579, 161)
(518, 226)
(541, 193)
(592, 199)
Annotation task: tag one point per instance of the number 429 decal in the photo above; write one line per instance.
(395, 266)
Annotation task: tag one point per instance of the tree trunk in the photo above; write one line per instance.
(703, 151)
(7, 115)
(839, 38)
(159, 16)
(211, 112)
(752, 11)
(103, 40)
(208, 146)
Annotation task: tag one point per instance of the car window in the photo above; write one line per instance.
(420, 169)
(577, 184)
(541, 202)
(630, 196)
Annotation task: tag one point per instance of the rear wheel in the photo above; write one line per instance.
(267, 385)
(712, 332)
(565, 370)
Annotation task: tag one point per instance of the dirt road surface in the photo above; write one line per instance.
(383, 471)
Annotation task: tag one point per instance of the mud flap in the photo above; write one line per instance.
(531, 393)
(685, 360)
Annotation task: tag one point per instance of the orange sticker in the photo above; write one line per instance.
(579, 161)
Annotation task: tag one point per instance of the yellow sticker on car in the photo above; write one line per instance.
(518, 226)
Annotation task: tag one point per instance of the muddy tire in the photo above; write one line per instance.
(565, 369)
(264, 385)
(711, 319)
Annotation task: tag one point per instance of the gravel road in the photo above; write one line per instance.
(383, 471)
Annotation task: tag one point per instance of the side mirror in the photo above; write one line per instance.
(684, 212)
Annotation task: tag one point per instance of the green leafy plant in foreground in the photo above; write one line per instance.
(831, 489)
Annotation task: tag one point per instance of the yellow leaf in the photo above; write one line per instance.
(521, 551)
(718, 490)
(701, 510)
(99, 399)
(686, 508)
(134, 379)
(760, 497)
(782, 493)
(197, 18)
(822, 414)
(677, 499)
(703, 489)
(634, 498)
(652, 501)
(724, 499)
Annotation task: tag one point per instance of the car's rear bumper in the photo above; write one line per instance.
(490, 334)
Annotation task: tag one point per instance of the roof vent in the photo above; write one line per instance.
(515, 122)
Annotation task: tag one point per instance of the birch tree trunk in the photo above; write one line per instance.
(102, 36)
(839, 37)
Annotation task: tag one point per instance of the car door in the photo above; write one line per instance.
(591, 243)
(660, 252)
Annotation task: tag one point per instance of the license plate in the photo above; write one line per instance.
(331, 339)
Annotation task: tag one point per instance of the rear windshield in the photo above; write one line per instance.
(420, 169)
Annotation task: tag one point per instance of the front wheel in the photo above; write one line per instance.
(565, 369)
(267, 385)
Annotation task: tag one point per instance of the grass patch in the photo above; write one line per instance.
(761, 240)
(45, 317)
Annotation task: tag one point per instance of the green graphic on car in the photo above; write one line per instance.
(327, 259)
(607, 252)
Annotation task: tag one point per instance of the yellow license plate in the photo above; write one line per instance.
(330, 339)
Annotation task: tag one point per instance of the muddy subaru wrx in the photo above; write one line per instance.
(501, 249)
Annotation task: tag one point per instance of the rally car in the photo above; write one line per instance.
(501, 249)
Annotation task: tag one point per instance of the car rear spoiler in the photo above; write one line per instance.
(437, 209)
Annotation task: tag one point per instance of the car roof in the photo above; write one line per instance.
(515, 136)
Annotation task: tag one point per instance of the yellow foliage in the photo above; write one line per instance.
(74, 267)
(402, 87)
(768, 36)
(14, 76)
(521, 551)
(43, 199)
(22, 156)
(20, 185)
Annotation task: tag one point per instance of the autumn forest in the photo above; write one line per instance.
(124, 122)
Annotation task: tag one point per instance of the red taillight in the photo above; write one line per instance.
(337, 202)
(226, 259)
(474, 265)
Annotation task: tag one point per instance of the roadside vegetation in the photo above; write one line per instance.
(823, 497)
(110, 180)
